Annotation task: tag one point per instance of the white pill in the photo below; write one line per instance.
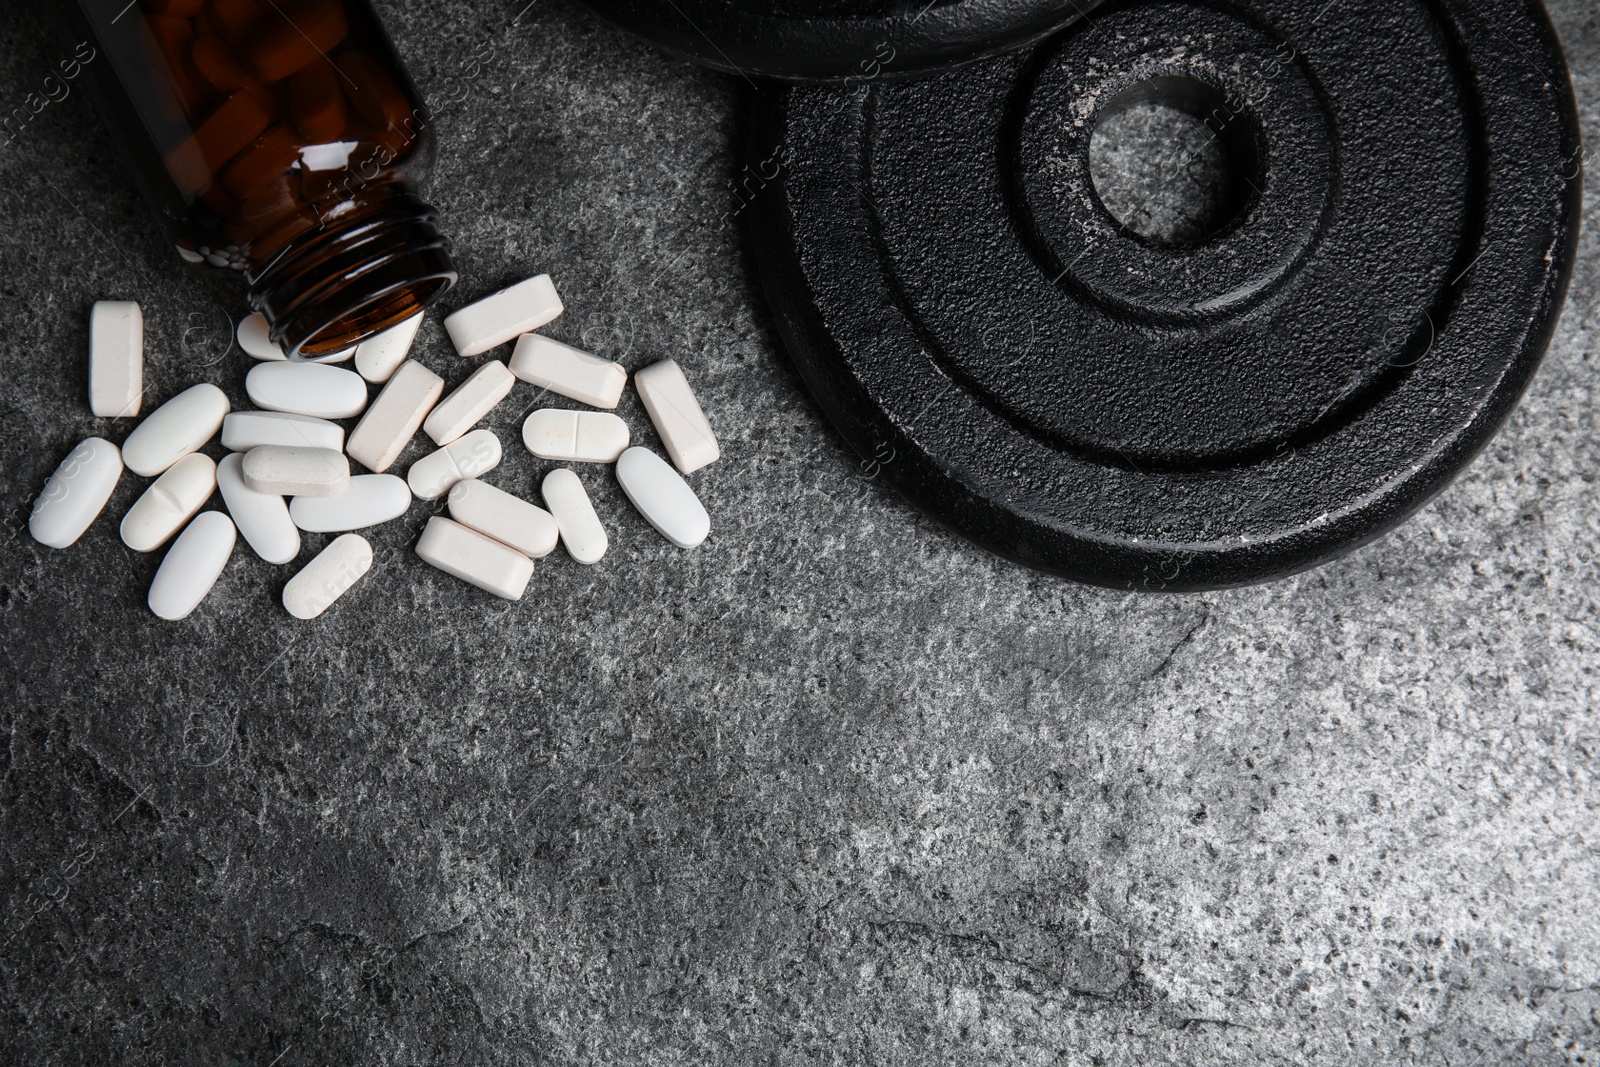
(171, 501)
(377, 358)
(469, 402)
(262, 518)
(175, 429)
(472, 456)
(116, 358)
(244, 430)
(328, 576)
(255, 337)
(496, 319)
(76, 493)
(192, 565)
(290, 470)
(370, 500)
(472, 557)
(392, 420)
(581, 532)
(508, 519)
(575, 436)
(663, 497)
(569, 371)
(677, 416)
(306, 389)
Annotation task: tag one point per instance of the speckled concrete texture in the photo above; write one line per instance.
(834, 788)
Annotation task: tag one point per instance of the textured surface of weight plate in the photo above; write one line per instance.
(1196, 414)
(839, 40)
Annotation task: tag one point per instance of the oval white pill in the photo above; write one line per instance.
(496, 319)
(472, 557)
(476, 454)
(370, 500)
(469, 402)
(255, 337)
(575, 436)
(288, 470)
(677, 416)
(392, 420)
(76, 493)
(328, 576)
(377, 358)
(175, 429)
(192, 565)
(581, 532)
(262, 518)
(116, 358)
(306, 389)
(244, 430)
(508, 519)
(572, 372)
(663, 497)
(171, 501)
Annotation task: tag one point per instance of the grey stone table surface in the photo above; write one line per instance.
(833, 788)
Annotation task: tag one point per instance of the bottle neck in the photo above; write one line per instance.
(372, 263)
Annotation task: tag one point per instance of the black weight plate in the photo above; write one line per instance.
(1139, 415)
(839, 40)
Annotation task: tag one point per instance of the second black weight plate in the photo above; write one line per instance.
(838, 40)
(1211, 412)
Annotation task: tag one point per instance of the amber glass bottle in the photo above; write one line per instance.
(281, 139)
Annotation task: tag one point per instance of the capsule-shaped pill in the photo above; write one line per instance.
(575, 436)
(76, 493)
(377, 358)
(244, 430)
(371, 499)
(472, 557)
(328, 576)
(173, 430)
(192, 565)
(585, 539)
(171, 501)
(663, 497)
(254, 336)
(508, 519)
(291, 471)
(392, 420)
(307, 389)
(474, 455)
(262, 518)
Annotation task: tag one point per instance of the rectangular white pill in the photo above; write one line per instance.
(392, 420)
(568, 371)
(378, 358)
(116, 358)
(328, 576)
(244, 430)
(581, 531)
(469, 402)
(171, 501)
(496, 319)
(76, 493)
(476, 454)
(472, 557)
(289, 471)
(677, 416)
(508, 519)
(575, 436)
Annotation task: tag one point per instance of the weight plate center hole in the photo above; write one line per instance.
(1173, 162)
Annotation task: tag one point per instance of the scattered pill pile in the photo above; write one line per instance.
(289, 465)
